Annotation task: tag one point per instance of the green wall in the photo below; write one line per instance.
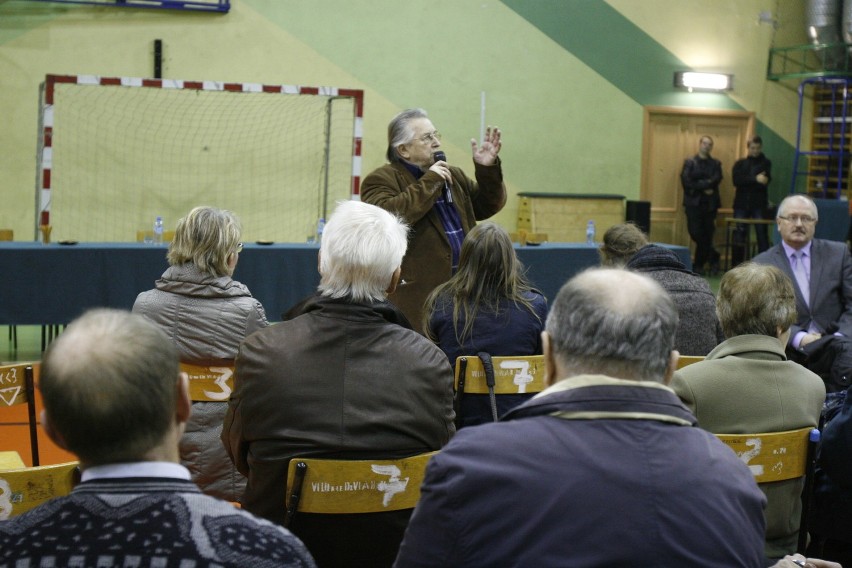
(566, 80)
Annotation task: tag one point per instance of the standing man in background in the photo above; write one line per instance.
(438, 201)
(700, 177)
(751, 177)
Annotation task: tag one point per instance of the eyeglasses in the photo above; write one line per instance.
(430, 137)
(793, 219)
(239, 247)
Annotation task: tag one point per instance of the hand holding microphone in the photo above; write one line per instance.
(441, 168)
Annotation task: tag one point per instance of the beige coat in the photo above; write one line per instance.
(427, 262)
(746, 385)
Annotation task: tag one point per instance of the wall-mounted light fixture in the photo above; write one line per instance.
(695, 81)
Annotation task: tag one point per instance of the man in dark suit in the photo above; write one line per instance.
(700, 177)
(821, 272)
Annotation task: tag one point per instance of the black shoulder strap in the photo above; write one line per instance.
(489, 380)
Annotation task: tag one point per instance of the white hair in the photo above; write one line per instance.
(362, 246)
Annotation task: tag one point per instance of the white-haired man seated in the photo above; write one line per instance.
(342, 380)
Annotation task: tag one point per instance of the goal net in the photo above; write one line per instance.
(114, 153)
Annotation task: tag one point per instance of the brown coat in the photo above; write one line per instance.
(427, 262)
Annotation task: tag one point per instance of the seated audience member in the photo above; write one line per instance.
(831, 514)
(698, 331)
(747, 385)
(487, 305)
(207, 314)
(604, 468)
(343, 380)
(620, 243)
(113, 395)
(821, 272)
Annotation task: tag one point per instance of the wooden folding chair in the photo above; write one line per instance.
(484, 374)
(210, 383)
(685, 360)
(27, 488)
(778, 456)
(17, 386)
(331, 486)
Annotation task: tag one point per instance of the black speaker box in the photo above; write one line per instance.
(639, 212)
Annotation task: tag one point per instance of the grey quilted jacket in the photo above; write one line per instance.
(207, 317)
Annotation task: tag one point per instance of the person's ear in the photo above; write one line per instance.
(402, 151)
(184, 401)
(394, 280)
(550, 372)
(51, 432)
(671, 367)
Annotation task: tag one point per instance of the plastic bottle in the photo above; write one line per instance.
(320, 229)
(158, 230)
(590, 232)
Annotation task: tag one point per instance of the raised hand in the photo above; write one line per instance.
(486, 154)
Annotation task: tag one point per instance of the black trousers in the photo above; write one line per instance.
(701, 225)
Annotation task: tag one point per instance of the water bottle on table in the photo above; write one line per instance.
(158, 230)
(590, 232)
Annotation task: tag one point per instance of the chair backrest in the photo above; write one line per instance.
(685, 360)
(27, 488)
(331, 486)
(210, 383)
(512, 375)
(773, 456)
(484, 374)
(778, 456)
(17, 386)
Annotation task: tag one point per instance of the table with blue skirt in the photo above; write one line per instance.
(55, 283)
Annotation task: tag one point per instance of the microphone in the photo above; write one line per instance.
(439, 156)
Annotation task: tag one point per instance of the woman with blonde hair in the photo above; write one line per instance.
(207, 314)
(487, 305)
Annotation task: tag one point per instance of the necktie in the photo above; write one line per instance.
(801, 275)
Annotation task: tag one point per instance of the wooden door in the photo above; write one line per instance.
(670, 136)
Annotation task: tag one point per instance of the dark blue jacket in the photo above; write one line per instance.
(513, 331)
(832, 512)
(593, 472)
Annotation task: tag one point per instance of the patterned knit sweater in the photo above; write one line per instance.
(145, 522)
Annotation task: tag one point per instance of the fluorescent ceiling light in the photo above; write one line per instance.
(693, 80)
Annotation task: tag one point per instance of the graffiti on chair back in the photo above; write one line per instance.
(11, 384)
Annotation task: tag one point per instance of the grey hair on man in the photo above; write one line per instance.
(361, 252)
(756, 299)
(401, 132)
(110, 385)
(782, 207)
(612, 322)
